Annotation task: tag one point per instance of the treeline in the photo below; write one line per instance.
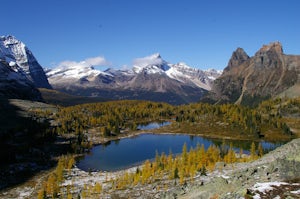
(111, 117)
(108, 118)
(235, 119)
(115, 117)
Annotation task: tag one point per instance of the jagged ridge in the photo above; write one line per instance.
(249, 80)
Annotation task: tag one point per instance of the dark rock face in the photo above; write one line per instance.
(16, 85)
(250, 80)
(36, 73)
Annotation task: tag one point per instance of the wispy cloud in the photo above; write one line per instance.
(149, 60)
(92, 61)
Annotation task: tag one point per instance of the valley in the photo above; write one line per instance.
(79, 125)
(187, 130)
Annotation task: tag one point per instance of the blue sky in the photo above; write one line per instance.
(201, 33)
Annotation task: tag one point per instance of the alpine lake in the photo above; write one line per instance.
(128, 152)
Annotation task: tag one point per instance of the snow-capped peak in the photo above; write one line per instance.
(12, 49)
(76, 70)
(151, 64)
(21, 60)
(154, 64)
(155, 56)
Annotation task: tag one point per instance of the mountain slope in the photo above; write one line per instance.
(150, 78)
(16, 85)
(248, 80)
(51, 96)
(21, 60)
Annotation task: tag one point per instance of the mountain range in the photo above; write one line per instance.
(152, 78)
(245, 80)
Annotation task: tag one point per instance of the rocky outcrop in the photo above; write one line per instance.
(238, 57)
(250, 80)
(280, 165)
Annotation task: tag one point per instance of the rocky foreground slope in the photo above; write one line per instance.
(279, 171)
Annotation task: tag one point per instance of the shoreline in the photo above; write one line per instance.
(96, 141)
(101, 140)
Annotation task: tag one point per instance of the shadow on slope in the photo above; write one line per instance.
(27, 145)
(64, 99)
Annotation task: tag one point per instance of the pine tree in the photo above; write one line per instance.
(71, 162)
(253, 155)
(176, 175)
(260, 150)
(184, 154)
(42, 194)
(97, 188)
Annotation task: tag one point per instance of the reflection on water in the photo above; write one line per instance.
(152, 125)
(132, 151)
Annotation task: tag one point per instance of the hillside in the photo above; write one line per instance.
(280, 167)
(63, 99)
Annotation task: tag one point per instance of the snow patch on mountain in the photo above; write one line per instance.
(75, 71)
(213, 74)
(78, 70)
(14, 51)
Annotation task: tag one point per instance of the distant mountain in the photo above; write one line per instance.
(249, 80)
(21, 60)
(150, 78)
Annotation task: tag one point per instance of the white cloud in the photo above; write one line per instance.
(97, 61)
(92, 61)
(154, 59)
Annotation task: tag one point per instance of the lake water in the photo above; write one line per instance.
(128, 152)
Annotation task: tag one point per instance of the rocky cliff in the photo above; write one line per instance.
(21, 60)
(248, 80)
(16, 85)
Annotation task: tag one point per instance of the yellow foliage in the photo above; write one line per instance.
(97, 188)
(184, 166)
